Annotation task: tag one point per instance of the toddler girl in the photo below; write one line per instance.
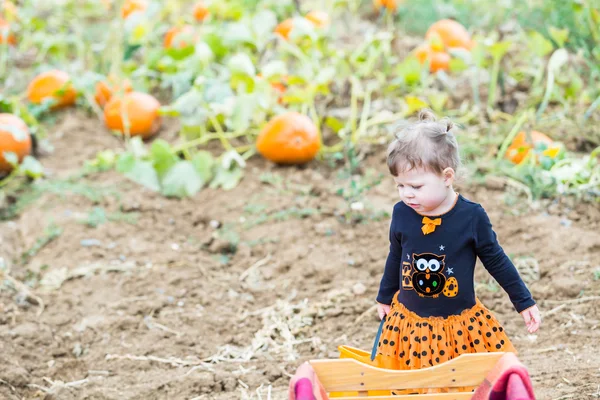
(426, 292)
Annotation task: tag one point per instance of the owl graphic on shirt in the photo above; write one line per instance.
(427, 278)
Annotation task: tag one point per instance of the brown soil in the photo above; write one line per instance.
(138, 308)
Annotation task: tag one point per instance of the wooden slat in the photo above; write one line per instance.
(433, 396)
(341, 375)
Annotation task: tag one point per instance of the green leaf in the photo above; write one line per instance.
(190, 108)
(136, 147)
(414, 104)
(232, 159)
(203, 52)
(217, 91)
(241, 63)
(274, 68)
(32, 167)
(130, 50)
(243, 112)
(235, 33)
(162, 157)
(325, 75)
(125, 163)
(143, 172)
(538, 44)
(263, 23)
(457, 65)
(438, 101)
(499, 49)
(335, 124)
(11, 158)
(409, 70)
(204, 163)
(302, 27)
(105, 160)
(215, 43)
(560, 36)
(182, 180)
(227, 178)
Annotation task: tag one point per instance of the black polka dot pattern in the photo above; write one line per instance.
(411, 342)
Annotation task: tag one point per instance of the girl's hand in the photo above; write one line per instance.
(382, 310)
(532, 318)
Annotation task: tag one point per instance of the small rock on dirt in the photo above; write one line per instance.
(359, 289)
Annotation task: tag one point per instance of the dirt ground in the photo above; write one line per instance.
(222, 296)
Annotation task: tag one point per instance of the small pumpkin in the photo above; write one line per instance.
(289, 138)
(319, 19)
(54, 84)
(200, 11)
(522, 145)
(175, 37)
(438, 60)
(390, 5)
(14, 138)
(452, 34)
(131, 6)
(6, 36)
(279, 86)
(107, 87)
(284, 28)
(141, 111)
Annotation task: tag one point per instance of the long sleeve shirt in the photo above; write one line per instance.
(431, 261)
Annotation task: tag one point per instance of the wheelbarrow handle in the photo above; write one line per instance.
(304, 390)
(376, 343)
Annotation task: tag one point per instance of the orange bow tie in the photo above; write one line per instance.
(430, 224)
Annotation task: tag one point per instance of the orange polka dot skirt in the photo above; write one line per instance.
(419, 342)
(409, 341)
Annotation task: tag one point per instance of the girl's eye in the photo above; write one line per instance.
(417, 187)
(400, 186)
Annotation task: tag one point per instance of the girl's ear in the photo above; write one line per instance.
(448, 174)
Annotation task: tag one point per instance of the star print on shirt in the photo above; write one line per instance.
(408, 256)
(450, 271)
(442, 248)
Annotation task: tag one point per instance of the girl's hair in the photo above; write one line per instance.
(427, 144)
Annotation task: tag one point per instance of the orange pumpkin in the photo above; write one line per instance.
(278, 86)
(521, 145)
(172, 40)
(6, 36)
(106, 88)
(451, 32)
(289, 138)
(319, 19)
(140, 111)
(52, 84)
(20, 145)
(438, 60)
(200, 11)
(284, 28)
(391, 5)
(131, 6)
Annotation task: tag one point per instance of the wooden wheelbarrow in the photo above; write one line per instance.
(494, 376)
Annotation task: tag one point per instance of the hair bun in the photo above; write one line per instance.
(449, 124)
(426, 115)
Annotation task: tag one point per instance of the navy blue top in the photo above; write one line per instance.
(433, 272)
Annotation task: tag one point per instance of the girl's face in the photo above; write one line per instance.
(426, 192)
